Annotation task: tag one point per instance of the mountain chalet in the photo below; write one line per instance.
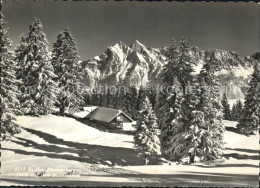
(108, 117)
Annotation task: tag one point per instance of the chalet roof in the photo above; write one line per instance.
(105, 114)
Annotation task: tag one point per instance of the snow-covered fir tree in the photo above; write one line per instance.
(110, 98)
(176, 76)
(165, 101)
(103, 97)
(100, 98)
(197, 128)
(146, 138)
(130, 106)
(169, 113)
(167, 79)
(180, 64)
(161, 97)
(212, 132)
(193, 135)
(177, 73)
(152, 94)
(36, 72)
(106, 97)
(9, 104)
(178, 146)
(233, 112)
(87, 98)
(118, 96)
(141, 97)
(237, 111)
(250, 120)
(114, 96)
(172, 58)
(160, 101)
(121, 93)
(170, 106)
(95, 100)
(67, 67)
(225, 107)
(212, 128)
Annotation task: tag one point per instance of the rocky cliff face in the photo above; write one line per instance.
(134, 65)
(139, 65)
(233, 85)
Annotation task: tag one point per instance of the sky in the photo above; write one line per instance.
(96, 25)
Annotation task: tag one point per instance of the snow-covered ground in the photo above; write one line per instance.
(85, 112)
(240, 155)
(78, 154)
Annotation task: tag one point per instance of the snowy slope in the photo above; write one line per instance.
(72, 130)
(61, 142)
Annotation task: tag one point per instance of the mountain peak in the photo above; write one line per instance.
(119, 45)
(137, 46)
(137, 42)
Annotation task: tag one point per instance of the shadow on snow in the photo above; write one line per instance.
(94, 154)
(183, 179)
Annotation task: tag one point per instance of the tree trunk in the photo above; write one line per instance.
(145, 160)
(192, 157)
(62, 109)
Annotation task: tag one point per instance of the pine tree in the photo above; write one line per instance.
(168, 78)
(225, 107)
(250, 120)
(146, 138)
(180, 64)
(87, 98)
(212, 131)
(172, 58)
(103, 97)
(237, 111)
(107, 97)
(233, 113)
(114, 90)
(168, 108)
(152, 94)
(94, 97)
(130, 106)
(65, 60)
(197, 129)
(141, 97)
(169, 113)
(100, 98)
(8, 89)
(212, 127)
(161, 97)
(121, 95)
(134, 101)
(177, 73)
(180, 125)
(36, 72)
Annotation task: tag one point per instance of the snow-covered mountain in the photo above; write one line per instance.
(133, 65)
(139, 65)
